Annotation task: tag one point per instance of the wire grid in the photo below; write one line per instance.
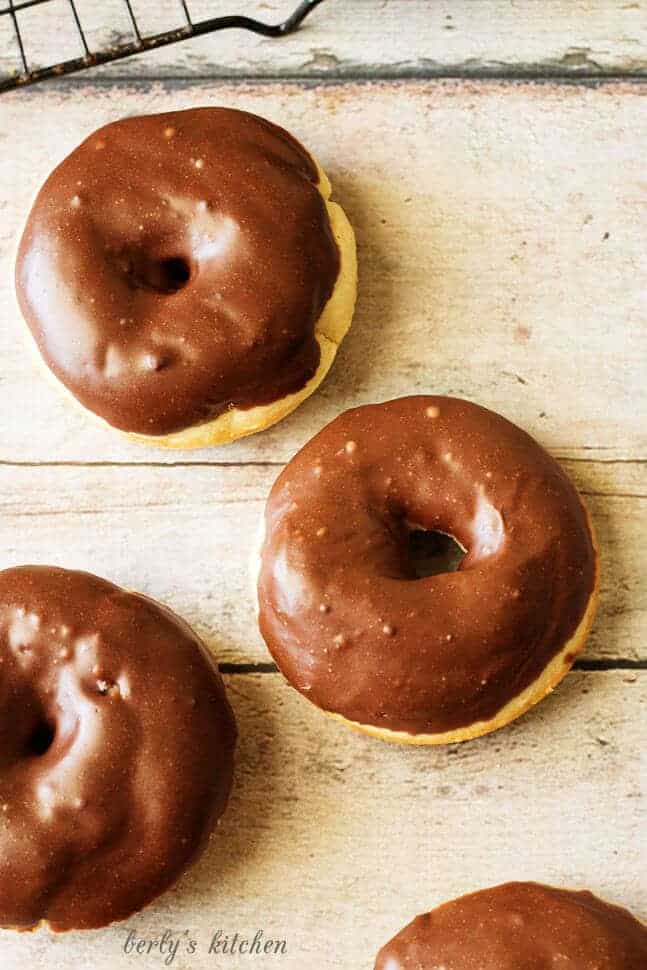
(140, 42)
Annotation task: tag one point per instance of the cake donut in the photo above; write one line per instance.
(520, 926)
(186, 277)
(116, 749)
(427, 659)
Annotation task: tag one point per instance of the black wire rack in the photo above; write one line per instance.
(27, 73)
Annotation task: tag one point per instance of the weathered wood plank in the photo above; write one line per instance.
(501, 254)
(333, 841)
(357, 38)
(184, 535)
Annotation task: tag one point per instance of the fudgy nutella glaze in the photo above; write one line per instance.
(116, 749)
(175, 265)
(341, 609)
(520, 926)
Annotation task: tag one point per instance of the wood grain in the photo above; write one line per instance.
(183, 535)
(501, 254)
(333, 841)
(356, 38)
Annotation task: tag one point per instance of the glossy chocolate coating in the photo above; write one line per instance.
(116, 749)
(216, 195)
(341, 609)
(520, 926)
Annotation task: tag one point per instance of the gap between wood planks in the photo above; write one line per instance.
(307, 81)
(258, 463)
(251, 463)
(619, 663)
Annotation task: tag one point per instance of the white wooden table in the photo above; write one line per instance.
(492, 157)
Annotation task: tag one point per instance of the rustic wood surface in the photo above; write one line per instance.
(501, 229)
(354, 38)
(163, 530)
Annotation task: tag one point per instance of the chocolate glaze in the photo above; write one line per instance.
(116, 749)
(175, 265)
(520, 926)
(341, 610)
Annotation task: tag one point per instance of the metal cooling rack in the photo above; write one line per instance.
(25, 74)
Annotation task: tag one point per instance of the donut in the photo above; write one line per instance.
(520, 926)
(186, 277)
(116, 743)
(358, 629)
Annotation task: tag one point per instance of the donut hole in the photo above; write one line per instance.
(431, 553)
(163, 276)
(41, 738)
(174, 273)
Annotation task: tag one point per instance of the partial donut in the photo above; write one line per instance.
(186, 277)
(520, 926)
(116, 749)
(428, 659)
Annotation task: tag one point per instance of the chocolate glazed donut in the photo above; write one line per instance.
(185, 275)
(520, 926)
(116, 749)
(436, 658)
